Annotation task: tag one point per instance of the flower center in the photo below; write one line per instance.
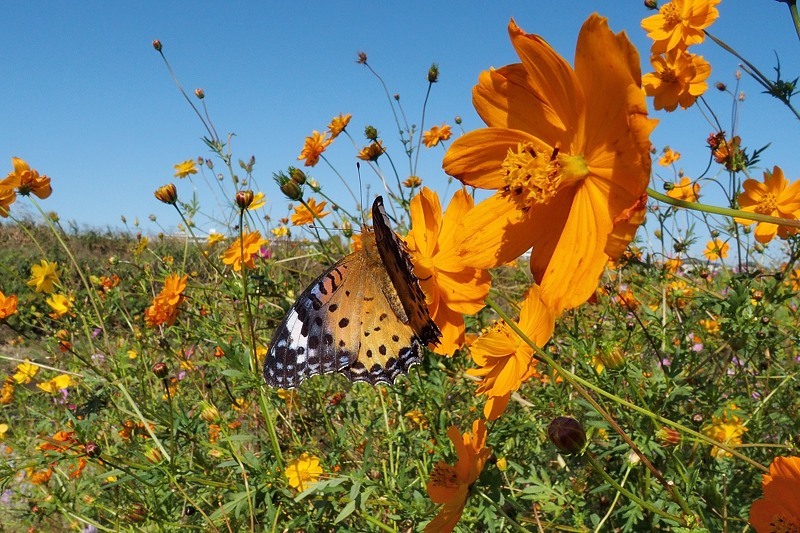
(768, 204)
(670, 14)
(537, 175)
(444, 475)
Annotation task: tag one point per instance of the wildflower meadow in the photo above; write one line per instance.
(563, 336)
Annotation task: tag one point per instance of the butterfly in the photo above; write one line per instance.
(365, 317)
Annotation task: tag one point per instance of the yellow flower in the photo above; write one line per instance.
(685, 190)
(412, 181)
(418, 418)
(44, 276)
(680, 23)
(775, 197)
(259, 200)
(451, 288)
(303, 472)
(60, 304)
(214, 238)
(435, 135)
(673, 264)
(243, 251)
(710, 325)
(505, 361)
(186, 168)
(56, 384)
(8, 305)
(779, 509)
(371, 152)
(679, 77)
(280, 231)
(3, 431)
(568, 152)
(727, 429)
(307, 213)
(338, 125)
(450, 484)
(716, 249)
(172, 292)
(24, 372)
(313, 148)
(7, 392)
(668, 157)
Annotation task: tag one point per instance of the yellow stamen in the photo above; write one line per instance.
(539, 175)
(768, 204)
(671, 15)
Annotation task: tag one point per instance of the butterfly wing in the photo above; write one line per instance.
(314, 338)
(397, 262)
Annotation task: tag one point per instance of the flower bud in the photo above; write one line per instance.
(297, 175)
(209, 413)
(613, 359)
(371, 133)
(668, 436)
(757, 295)
(567, 434)
(362, 58)
(199, 93)
(137, 513)
(244, 199)
(153, 455)
(157, 45)
(651, 4)
(457, 120)
(288, 186)
(160, 370)
(167, 194)
(433, 73)
(720, 86)
(397, 97)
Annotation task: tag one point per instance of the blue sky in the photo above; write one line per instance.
(87, 101)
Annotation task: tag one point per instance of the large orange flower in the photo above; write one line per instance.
(680, 23)
(505, 360)
(451, 288)
(450, 484)
(779, 509)
(26, 180)
(679, 78)
(568, 152)
(775, 197)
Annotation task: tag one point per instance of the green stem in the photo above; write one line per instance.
(579, 388)
(499, 509)
(724, 211)
(628, 494)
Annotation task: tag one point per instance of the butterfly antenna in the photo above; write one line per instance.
(361, 207)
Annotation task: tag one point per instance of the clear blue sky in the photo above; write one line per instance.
(85, 99)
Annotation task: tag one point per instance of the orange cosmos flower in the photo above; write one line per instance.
(174, 285)
(412, 181)
(505, 360)
(40, 477)
(27, 181)
(569, 155)
(779, 509)
(679, 78)
(371, 152)
(449, 485)
(668, 157)
(243, 251)
(7, 197)
(451, 288)
(185, 168)
(435, 135)
(313, 148)
(338, 125)
(61, 441)
(685, 190)
(8, 305)
(716, 249)
(775, 197)
(680, 23)
(306, 213)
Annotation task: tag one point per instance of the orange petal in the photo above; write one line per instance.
(496, 231)
(535, 318)
(552, 77)
(571, 274)
(476, 157)
(505, 98)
